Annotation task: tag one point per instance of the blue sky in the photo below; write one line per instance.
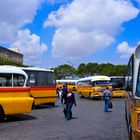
(50, 33)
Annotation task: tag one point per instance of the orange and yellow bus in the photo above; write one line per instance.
(93, 86)
(42, 85)
(14, 95)
(71, 84)
(117, 86)
(132, 95)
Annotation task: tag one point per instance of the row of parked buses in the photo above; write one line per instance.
(95, 85)
(71, 84)
(23, 88)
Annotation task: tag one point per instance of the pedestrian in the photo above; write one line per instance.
(63, 97)
(107, 97)
(70, 100)
(64, 93)
(57, 91)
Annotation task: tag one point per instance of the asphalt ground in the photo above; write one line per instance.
(89, 122)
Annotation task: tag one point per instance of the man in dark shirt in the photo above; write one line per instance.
(70, 100)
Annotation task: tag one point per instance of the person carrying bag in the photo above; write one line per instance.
(107, 97)
(110, 105)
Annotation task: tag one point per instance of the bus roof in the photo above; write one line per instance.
(36, 69)
(116, 76)
(66, 80)
(12, 69)
(95, 78)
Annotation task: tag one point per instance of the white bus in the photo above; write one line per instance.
(118, 83)
(42, 85)
(71, 84)
(14, 95)
(93, 86)
(132, 95)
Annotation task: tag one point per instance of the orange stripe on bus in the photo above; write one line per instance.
(43, 88)
(15, 89)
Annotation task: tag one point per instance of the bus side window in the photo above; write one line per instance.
(88, 83)
(138, 87)
(129, 84)
(93, 83)
(2, 81)
(8, 83)
(31, 80)
(8, 80)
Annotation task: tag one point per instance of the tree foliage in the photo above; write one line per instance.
(4, 62)
(89, 69)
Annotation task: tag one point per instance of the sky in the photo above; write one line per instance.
(50, 33)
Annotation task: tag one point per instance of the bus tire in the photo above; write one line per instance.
(90, 96)
(130, 129)
(130, 132)
(126, 115)
(80, 94)
(2, 114)
(52, 104)
(33, 105)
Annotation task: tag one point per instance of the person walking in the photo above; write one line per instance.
(107, 97)
(70, 100)
(64, 93)
(63, 98)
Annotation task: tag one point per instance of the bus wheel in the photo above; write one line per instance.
(130, 129)
(81, 96)
(90, 96)
(126, 116)
(130, 132)
(33, 106)
(2, 115)
(52, 104)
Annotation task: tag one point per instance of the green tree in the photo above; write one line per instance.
(64, 71)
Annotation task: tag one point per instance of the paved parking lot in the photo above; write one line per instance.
(89, 122)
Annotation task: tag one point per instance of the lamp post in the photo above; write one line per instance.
(71, 64)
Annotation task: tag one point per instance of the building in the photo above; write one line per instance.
(12, 55)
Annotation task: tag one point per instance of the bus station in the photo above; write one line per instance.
(70, 70)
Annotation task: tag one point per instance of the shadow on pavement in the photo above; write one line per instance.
(19, 117)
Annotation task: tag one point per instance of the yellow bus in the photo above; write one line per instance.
(93, 86)
(132, 95)
(118, 85)
(71, 84)
(42, 85)
(14, 95)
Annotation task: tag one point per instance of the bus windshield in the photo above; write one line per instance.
(138, 84)
(117, 82)
(100, 83)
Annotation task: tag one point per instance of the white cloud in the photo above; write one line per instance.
(14, 15)
(72, 43)
(29, 45)
(125, 50)
(84, 27)
(57, 1)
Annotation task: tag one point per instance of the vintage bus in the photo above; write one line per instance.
(14, 95)
(71, 84)
(93, 86)
(118, 83)
(132, 95)
(42, 85)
